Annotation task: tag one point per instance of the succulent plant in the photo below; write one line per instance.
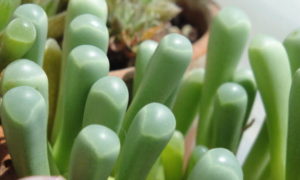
(231, 29)
(64, 115)
(218, 159)
(7, 8)
(25, 126)
(131, 21)
(186, 103)
(258, 159)
(95, 150)
(293, 137)
(272, 72)
(229, 106)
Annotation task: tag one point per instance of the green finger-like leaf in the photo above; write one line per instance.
(106, 103)
(187, 100)
(7, 8)
(230, 106)
(292, 46)
(56, 25)
(259, 156)
(217, 164)
(172, 157)
(170, 101)
(18, 38)
(37, 16)
(50, 6)
(146, 138)
(228, 35)
(266, 175)
(52, 165)
(270, 65)
(87, 63)
(293, 147)
(24, 117)
(196, 155)
(163, 75)
(246, 79)
(24, 72)
(52, 67)
(157, 171)
(145, 50)
(85, 29)
(94, 153)
(95, 7)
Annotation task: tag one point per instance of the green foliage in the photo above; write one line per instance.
(98, 134)
(172, 157)
(271, 68)
(245, 78)
(87, 63)
(149, 133)
(187, 100)
(196, 155)
(37, 16)
(25, 126)
(7, 8)
(258, 158)
(230, 105)
(292, 45)
(94, 153)
(230, 29)
(293, 147)
(24, 72)
(144, 53)
(217, 164)
(18, 38)
(163, 74)
(106, 103)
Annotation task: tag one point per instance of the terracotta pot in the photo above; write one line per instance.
(199, 50)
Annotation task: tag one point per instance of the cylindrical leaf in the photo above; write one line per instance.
(259, 156)
(245, 78)
(94, 153)
(172, 157)
(7, 8)
(228, 35)
(228, 115)
(152, 128)
(18, 38)
(52, 67)
(157, 171)
(217, 164)
(24, 118)
(24, 72)
(85, 29)
(95, 7)
(163, 74)
(271, 68)
(292, 46)
(37, 16)
(85, 65)
(145, 50)
(196, 155)
(106, 103)
(187, 101)
(293, 139)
